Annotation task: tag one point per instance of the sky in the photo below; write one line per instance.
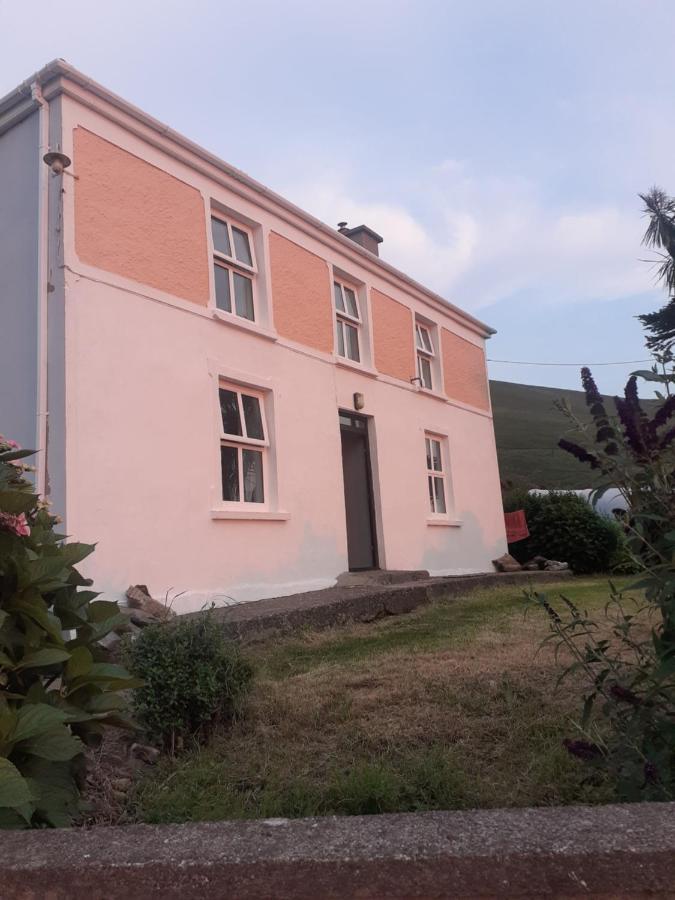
(498, 146)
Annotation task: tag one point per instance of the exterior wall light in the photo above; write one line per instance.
(58, 162)
(359, 401)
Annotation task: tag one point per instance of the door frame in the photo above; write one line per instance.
(365, 434)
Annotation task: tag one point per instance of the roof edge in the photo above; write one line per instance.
(60, 68)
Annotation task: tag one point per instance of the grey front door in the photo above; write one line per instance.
(361, 543)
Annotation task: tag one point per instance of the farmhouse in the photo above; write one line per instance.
(230, 397)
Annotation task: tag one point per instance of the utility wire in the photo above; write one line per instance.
(514, 362)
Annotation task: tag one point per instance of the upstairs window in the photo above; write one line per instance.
(425, 355)
(435, 475)
(234, 268)
(347, 321)
(243, 445)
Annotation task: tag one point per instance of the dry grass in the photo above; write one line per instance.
(449, 707)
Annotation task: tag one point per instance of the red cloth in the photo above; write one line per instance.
(516, 526)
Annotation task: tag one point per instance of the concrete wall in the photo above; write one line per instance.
(143, 364)
(19, 186)
(599, 852)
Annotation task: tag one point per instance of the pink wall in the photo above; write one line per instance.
(393, 337)
(142, 369)
(464, 370)
(136, 220)
(301, 294)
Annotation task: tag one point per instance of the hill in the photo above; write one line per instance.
(528, 428)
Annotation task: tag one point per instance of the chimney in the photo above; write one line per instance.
(362, 235)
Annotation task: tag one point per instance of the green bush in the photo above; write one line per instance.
(57, 691)
(193, 679)
(563, 526)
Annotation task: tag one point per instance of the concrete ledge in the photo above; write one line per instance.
(610, 851)
(359, 603)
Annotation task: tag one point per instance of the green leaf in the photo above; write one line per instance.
(58, 745)
(14, 791)
(79, 664)
(74, 553)
(102, 610)
(35, 718)
(9, 455)
(16, 502)
(46, 657)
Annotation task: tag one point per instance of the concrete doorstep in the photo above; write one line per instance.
(610, 851)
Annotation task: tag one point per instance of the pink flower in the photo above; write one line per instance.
(18, 525)
(8, 443)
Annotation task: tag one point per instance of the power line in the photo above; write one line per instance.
(514, 362)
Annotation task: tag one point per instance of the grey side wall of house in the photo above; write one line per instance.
(19, 248)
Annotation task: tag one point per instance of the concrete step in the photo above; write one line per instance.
(340, 605)
(376, 577)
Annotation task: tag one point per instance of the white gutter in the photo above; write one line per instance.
(42, 293)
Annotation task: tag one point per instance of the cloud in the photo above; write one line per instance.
(480, 239)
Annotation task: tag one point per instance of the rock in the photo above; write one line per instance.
(141, 618)
(507, 563)
(139, 598)
(145, 752)
(537, 563)
(554, 565)
(121, 784)
(110, 640)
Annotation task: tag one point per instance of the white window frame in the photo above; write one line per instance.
(345, 319)
(243, 442)
(425, 352)
(231, 265)
(440, 474)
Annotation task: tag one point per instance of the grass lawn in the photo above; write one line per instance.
(448, 707)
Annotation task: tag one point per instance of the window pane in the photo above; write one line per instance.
(418, 337)
(352, 335)
(436, 463)
(229, 410)
(243, 296)
(339, 302)
(229, 467)
(439, 492)
(221, 239)
(253, 417)
(428, 449)
(352, 306)
(242, 248)
(222, 279)
(425, 371)
(253, 476)
(431, 493)
(340, 338)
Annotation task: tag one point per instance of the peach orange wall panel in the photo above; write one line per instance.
(464, 370)
(135, 220)
(301, 294)
(392, 337)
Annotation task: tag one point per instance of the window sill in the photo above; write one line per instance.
(244, 324)
(264, 515)
(428, 392)
(353, 366)
(445, 522)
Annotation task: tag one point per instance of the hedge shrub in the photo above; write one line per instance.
(193, 679)
(565, 527)
(57, 690)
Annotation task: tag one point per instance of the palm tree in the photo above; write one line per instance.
(660, 235)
